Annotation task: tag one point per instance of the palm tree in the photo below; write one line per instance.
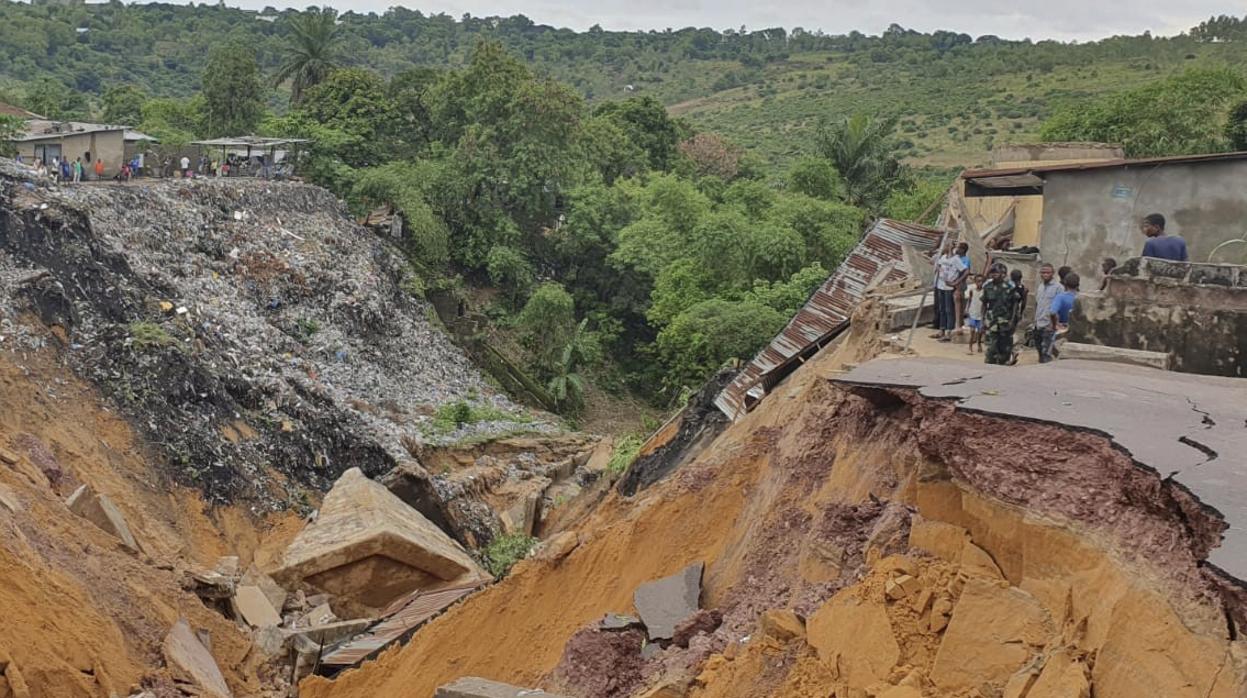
(862, 151)
(567, 386)
(312, 52)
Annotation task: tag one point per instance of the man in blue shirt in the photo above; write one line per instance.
(1063, 304)
(1159, 245)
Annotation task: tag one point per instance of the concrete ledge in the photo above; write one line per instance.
(1099, 352)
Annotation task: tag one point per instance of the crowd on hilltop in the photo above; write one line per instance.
(992, 304)
(64, 170)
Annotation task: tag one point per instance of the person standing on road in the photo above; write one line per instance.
(99, 169)
(1045, 320)
(1000, 300)
(1159, 245)
(974, 312)
(948, 272)
(78, 169)
(959, 291)
(186, 166)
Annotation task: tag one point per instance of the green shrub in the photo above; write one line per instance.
(504, 551)
(626, 449)
(148, 335)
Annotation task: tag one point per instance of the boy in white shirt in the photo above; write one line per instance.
(974, 313)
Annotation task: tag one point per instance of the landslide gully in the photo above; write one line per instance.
(923, 551)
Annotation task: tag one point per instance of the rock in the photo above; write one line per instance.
(100, 510)
(9, 499)
(1062, 677)
(472, 687)
(522, 515)
(320, 615)
(558, 547)
(940, 539)
(703, 621)
(273, 591)
(370, 547)
(665, 602)
(254, 607)
(270, 640)
(227, 566)
(855, 636)
(650, 650)
(941, 611)
(7, 457)
(783, 625)
(900, 692)
(329, 633)
(900, 587)
(187, 657)
(995, 630)
(616, 621)
(975, 560)
(667, 688)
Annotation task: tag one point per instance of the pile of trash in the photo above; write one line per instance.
(263, 339)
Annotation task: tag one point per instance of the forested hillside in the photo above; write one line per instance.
(954, 95)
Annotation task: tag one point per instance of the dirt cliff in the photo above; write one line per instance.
(865, 544)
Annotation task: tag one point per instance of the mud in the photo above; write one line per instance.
(813, 504)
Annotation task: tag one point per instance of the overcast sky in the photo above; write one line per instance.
(1049, 19)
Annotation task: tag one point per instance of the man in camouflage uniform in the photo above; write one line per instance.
(999, 300)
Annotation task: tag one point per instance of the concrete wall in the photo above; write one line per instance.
(1197, 313)
(108, 145)
(1094, 214)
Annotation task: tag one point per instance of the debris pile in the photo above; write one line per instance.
(250, 328)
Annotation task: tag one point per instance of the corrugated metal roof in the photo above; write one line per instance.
(1102, 164)
(876, 259)
(398, 620)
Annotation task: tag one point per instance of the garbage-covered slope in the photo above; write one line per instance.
(852, 550)
(262, 339)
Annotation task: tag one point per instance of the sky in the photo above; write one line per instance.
(1051, 19)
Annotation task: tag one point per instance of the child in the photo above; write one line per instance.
(974, 312)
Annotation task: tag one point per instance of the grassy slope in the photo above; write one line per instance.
(951, 121)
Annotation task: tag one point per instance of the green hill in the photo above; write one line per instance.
(955, 95)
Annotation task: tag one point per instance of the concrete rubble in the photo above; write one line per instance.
(101, 511)
(370, 547)
(662, 604)
(472, 687)
(189, 659)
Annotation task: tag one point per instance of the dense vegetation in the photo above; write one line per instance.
(622, 243)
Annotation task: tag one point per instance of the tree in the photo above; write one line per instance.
(52, 99)
(355, 102)
(1179, 115)
(123, 104)
(713, 155)
(232, 91)
(816, 177)
(546, 323)
(1236, 127)
(860, 148)
(10, 127)
(646, 122)
(702, 338)
(567, 386)
(311, 53)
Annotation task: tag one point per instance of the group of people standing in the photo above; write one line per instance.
(993, 305)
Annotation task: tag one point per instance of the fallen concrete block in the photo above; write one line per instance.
(329, 633)
(9, 499)
(370, 547)
(187, 656)
(1098, 352)
(100, 510)
(322, 614)
(273, 591)
(472, 687)
(254, 607)
(663, 603)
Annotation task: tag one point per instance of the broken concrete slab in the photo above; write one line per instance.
(663, 603)
(100, 510)
(329, 633)
(370, 547)
(1097, 352)
(187, 656)
(320, 615)
(255, 608)
(273, 591)
(473, 687)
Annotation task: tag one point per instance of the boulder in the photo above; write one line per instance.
(995, 630)
(100, 510)
(273, 591)
(254, 607)
(856, 636)
(189, 659)
(1062, 677)
(663, 603)
(783, 625)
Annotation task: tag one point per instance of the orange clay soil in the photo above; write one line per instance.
(81, 615)
(770, 508)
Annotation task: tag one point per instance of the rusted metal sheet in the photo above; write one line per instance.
(397, 622)
(878, 258)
